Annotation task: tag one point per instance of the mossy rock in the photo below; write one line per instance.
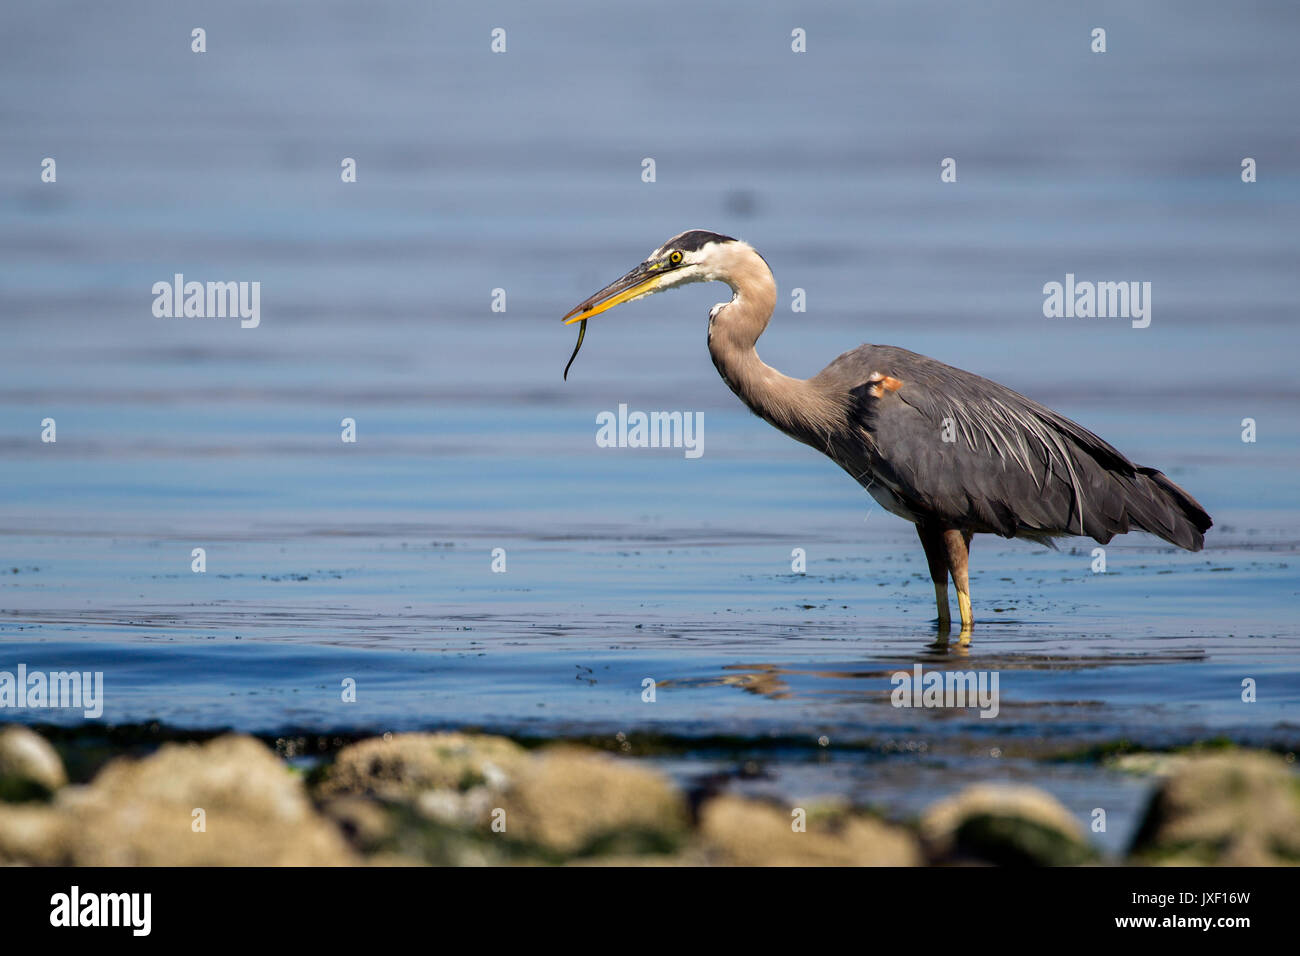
(30, 769)
(1016, 841)
(1004, 825)
(402, 767)
(1232, 809)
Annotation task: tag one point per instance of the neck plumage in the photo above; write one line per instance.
(793, 405)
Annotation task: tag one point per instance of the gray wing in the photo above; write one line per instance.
(964, 451)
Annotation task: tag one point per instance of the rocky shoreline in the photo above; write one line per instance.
(463, 799)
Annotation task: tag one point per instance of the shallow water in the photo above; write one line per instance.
(372, 560)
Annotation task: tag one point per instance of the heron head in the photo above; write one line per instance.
(693, 256)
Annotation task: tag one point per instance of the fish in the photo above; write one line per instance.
(582, 331)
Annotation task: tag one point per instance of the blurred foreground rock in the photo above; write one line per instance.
(747, 833)
(30, 769)
(571, 801)
(253, 810)
(1232, 809)
(472, 800)
(1006, 825)
(462, 799)
(406, 766)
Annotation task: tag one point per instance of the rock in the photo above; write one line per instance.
(142, 813)
(30, 769)
(688, 857)
(403, 767)
(1233, 809)
(451, 808)
(747, 833)
(449, 795)
(429, 796)
(1004, 824)
(32, 834)
(366, 823)
(387, 860)
(570, 801)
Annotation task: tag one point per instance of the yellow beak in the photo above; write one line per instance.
(642, 280)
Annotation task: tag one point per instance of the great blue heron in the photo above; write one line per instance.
(954, 453)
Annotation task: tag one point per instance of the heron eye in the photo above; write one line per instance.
(675, 256)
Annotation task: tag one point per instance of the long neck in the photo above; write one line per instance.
(794, 405)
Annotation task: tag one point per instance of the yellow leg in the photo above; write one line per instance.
(967, 619)
(958, 554)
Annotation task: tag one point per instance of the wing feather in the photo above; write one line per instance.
(1013, 467)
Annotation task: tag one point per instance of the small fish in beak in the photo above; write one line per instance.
(582, 331)
(643, 280)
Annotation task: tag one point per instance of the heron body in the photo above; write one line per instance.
(952, 452)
